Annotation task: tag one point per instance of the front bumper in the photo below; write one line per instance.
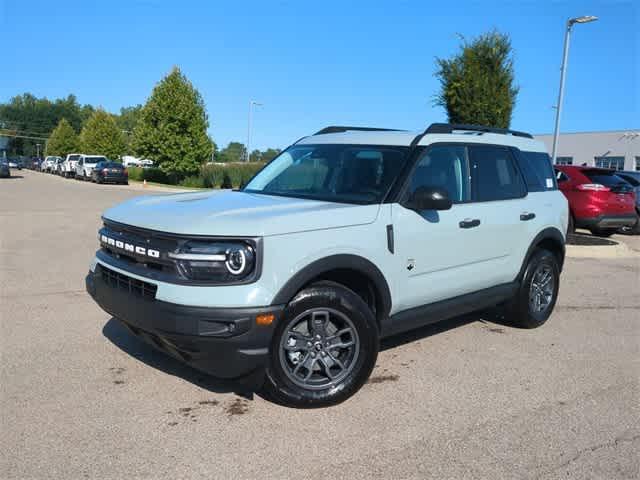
(608, 221)
(224, 342)
(113, 178)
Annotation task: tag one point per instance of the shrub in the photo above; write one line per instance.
(150, 175)
(226, 181)
(194, 181)
(237, 173)
(216, 175)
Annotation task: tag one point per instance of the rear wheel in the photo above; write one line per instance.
(571, 227)
(323, 349)
(538, 291)
(634, 230)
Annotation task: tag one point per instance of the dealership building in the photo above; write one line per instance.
(617, 149)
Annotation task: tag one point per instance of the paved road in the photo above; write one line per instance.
(465, 399)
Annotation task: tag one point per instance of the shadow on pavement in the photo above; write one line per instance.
(12, 177)
(128, 343)
(589, 240)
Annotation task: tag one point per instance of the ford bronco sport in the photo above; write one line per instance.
(348, 236)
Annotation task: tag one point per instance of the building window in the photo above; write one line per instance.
(638, 164)
(564, 160)
(617, 163)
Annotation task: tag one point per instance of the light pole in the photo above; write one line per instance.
(38, 150)
(251, 104)
(563, 69)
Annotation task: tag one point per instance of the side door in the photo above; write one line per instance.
(472, 246)
(79, 166)
(500, 201)
(433, 252)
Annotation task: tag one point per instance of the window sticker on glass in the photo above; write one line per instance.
(549, 183)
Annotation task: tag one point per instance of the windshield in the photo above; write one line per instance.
(94, 159)
(337, 173)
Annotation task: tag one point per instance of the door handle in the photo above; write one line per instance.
(527, 216)
(469, 223)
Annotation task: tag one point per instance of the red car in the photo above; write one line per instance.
(599, 200)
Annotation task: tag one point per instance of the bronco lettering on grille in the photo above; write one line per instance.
(129, 247)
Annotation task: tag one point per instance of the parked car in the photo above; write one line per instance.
(57, 166)
(69, 165)
(34, 163)
(48, 163)
(110, 172)
(5, 171)
(15, 163)
(599, 200)
(633, 179)
(346, 237)
(86, 164)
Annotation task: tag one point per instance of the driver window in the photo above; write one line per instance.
(443, 167)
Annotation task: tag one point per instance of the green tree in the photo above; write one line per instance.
(101, 135)
(234, 152)
(172, 128)
(30, 116)
(63, 140)
(477, 84)
(269, 154)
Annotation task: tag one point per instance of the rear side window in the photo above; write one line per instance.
(603, 178)
(494, 175)
(633, 181)
(537, 171)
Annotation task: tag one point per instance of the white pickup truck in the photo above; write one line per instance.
(69, 165)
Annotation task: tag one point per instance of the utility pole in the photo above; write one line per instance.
(563, 70)
(251, 104)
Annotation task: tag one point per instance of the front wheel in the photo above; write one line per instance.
(538, 292)
(323, 349)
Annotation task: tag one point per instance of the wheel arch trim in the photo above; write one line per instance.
(549, 233)
(336, 262)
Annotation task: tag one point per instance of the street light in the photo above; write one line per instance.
(563, 69)
(251, 104)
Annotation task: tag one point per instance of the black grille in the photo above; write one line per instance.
(128, 284)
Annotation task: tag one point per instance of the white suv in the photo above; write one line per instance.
(348, 236)
(86, 164)
(69, 165)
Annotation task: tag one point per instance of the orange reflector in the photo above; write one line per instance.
(265, 319)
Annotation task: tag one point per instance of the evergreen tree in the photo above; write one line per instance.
(477, 84)
(101, 136)
(63, 140)
(172, 127)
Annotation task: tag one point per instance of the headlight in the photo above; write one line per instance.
(219, 261)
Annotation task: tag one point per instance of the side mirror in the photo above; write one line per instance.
(429, 198)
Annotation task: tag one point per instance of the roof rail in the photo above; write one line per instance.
(340, 129)
(450, 127)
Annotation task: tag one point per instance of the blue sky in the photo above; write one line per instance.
(314, 64)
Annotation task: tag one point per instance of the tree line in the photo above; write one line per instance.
(170, 129)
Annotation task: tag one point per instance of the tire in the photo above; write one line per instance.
(330, 308)
(634, 230)
(521, 310)
(603, 232)
(571, 226)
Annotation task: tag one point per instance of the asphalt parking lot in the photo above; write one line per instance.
(467, 398)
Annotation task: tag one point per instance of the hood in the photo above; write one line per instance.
(229, 213)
